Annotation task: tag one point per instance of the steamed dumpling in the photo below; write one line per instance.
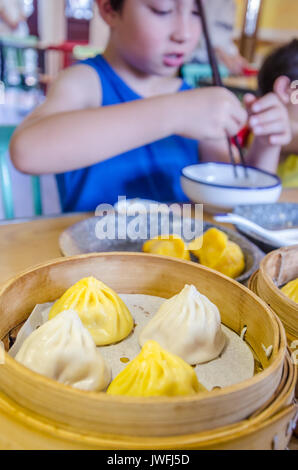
(187, 325)
(101, 310)
(219, 253)
(167, 245)
(231, 263)
(63, 349)
(155, 372)
(211, 246)
(291, 290)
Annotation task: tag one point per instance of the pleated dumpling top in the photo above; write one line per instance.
(101, 310)
(188, 325)
(156, 372)
(62, 349)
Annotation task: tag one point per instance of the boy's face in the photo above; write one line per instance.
(156, 36)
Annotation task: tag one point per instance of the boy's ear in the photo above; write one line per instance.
(282, 88)
(106, 11)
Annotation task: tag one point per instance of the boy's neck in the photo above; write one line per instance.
(143, 84)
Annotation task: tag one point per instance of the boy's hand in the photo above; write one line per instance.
(208, 113)
(269, 120)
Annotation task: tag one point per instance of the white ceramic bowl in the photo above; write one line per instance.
(215, 185)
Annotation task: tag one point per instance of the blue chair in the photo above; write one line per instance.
(5, 179)
(194, 73)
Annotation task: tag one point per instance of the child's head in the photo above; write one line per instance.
(278, 74)
(154, 37)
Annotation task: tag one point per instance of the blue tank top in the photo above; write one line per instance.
(150, 172)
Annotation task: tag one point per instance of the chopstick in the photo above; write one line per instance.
(217, 81)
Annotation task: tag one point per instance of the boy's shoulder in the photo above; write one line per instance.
(80, 84)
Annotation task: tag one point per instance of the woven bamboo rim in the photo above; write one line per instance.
(152, 275)
(268, 429)
(253, 286)
(276, 269)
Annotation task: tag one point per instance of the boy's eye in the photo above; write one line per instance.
(166, 12)
(160, 12)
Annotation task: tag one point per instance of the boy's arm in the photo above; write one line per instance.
(71, 130)
(67, 94)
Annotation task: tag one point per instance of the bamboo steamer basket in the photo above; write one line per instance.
(42, 403)
(276, 269)
(270, 429)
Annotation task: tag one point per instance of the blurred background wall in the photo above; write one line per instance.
(278, 22)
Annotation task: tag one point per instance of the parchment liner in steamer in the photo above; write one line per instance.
(234, 365)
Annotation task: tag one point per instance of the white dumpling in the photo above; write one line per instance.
(64, 350)
(187, 325)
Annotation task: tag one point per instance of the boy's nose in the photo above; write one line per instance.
(181, 31)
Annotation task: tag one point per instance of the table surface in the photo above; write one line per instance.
(23, 245)
(241, 84)
(245, 83)
(26, 244)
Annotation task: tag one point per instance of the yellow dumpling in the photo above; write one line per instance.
(291, 290)
(231, 263)
(218, 253)
(100, 309)
(211, 246)
(156, 372)
(167, 245)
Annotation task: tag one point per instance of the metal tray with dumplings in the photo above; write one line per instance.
(83, 237)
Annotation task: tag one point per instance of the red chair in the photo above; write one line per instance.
(66, 48)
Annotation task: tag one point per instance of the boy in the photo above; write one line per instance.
(124, 124)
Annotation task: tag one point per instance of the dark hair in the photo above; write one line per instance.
(117, 4)
(282, 61)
